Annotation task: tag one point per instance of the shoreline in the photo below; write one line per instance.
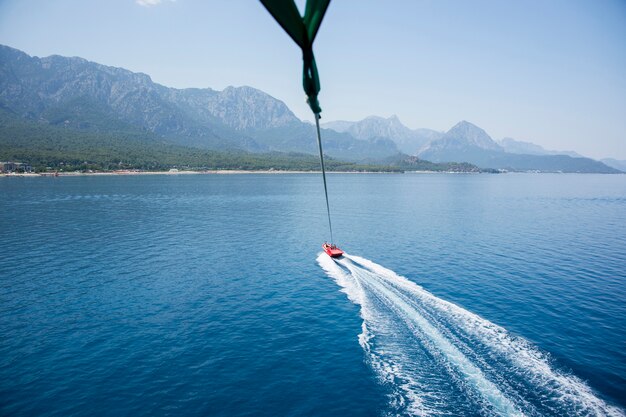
(257, 172)
(204, 172)
(213, 172)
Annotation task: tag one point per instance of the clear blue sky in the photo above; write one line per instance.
(550, 72)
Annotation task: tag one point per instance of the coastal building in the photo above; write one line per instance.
(6, 167)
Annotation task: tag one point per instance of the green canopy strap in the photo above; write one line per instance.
(303, 31)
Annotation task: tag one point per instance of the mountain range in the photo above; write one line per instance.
(466, 142)
(76, 93)
(511, 145)
(374, 128)
(472, 144)
(79, 95)
(615, 163)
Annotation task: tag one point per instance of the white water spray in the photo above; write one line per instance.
(438, 358)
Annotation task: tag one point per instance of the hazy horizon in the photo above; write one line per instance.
(551, 74)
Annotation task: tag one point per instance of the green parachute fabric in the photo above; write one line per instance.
(302, 30)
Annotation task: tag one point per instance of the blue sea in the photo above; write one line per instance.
(208, 295)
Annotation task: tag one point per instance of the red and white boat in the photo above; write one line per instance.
(332, 250)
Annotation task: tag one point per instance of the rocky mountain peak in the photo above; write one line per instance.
(469, 134)
(244, 108)
(390, 128)
(379, 127)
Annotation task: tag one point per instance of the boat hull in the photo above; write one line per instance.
(333, 252)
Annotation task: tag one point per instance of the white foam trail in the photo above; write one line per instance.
(566, 394)
(522, 353)
(403, 397)
(470, 372)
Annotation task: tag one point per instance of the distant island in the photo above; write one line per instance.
(69, 114)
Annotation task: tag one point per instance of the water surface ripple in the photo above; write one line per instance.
(201, 295)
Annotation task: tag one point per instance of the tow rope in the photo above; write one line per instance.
(319, 142)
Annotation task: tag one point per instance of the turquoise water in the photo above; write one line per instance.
(206, 295)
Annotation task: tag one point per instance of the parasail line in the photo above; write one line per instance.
(319, 142)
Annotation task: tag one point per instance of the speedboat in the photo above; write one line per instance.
(332, 250)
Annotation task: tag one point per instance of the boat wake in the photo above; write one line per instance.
(438, 359)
